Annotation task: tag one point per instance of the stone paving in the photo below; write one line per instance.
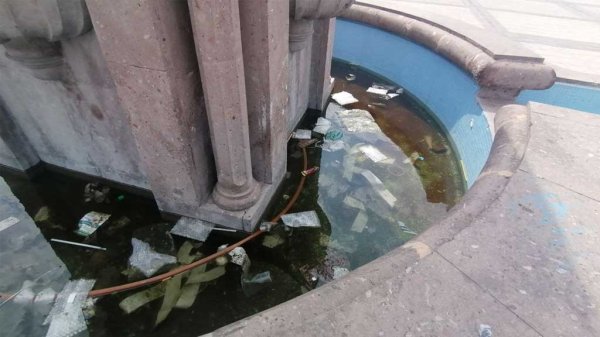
(565, 32)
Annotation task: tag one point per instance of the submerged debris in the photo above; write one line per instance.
(78, 244)
(43, 214)
(322, 126)
(360, 222)
(302, 134)
(66, 317)
(272, 240)
(146, 260)
(194, 229)
(344, 98)
(373, 153)
(256, 283)
(377, 91)
(301, 219)
(96, 192)
(350, 77)
(91, 222)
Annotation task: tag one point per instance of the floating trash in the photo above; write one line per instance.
(256, 283)
(377, 91)
(350, 77)
(344, 98)
(377, 184)
(339, 272)
(302, 134)
(354, 203)
(146, 260)
(96, 193)
(301, 219)
(413, 158)
(240, 257)
(91, 222)
(373, 153)
(332, 145)
(43, 214)
(357, 120)
(83, 245)
(334, 135)
(272, 241)
(360, 222)
(405, 228)
(66, 317)
(323, 125)
(194, 229)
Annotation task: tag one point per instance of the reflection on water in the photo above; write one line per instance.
(387, 172)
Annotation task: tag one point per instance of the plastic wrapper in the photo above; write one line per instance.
(302, 134)
(256, 283)
(360, 222)
(91, 222)
(323, 125)
(344, 98)
(378, 186)
(373, 153)
(147, 260)
(302, 219)
(66, 317)
(239, 257)
(194, 229)
(357, 120)
(332, 145)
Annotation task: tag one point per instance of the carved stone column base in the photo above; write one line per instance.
(230, 201)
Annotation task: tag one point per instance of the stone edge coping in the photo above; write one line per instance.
(512, 124)
(507, 74)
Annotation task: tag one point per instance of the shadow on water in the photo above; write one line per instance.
(421, 172)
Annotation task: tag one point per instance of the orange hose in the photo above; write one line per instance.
(183, 269)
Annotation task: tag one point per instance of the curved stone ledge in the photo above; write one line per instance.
(512, 123)
(502, 74)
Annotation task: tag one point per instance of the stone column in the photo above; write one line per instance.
(321, 82)
(265, 25)
(217, 36)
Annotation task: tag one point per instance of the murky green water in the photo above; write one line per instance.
(359, 221)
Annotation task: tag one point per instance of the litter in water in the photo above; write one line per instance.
(42, 214)
(377, 184)
(392, 95)
(323, 125)
(334, 135)
(91, 222)
(78, 244)
(350, 77)
(359, 222)
(146, 260)
(405, 228)
(358, 120)
(272, 241)
(8, 222)
(332, 145)
(239, 257)
(301, 219)
(354, 203)
(96, 192)
(194, 229)
(339, 272)
(254, 284)
(377, 91)
(373, 153)
(344, 98)
(66, 317)
(310, 171)
(413, 158)
(302, 134)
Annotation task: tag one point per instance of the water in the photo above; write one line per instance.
(424, 188)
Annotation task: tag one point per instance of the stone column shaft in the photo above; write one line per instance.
(265, 25)
(217, 36)
(322, 51)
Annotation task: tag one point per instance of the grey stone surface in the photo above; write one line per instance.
(153, 67)
(265, 26)
(218, 41)
(321, 83)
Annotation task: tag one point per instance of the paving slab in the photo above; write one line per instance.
(565, 148)
(536, 251)
(418, 301)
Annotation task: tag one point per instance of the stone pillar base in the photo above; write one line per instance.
(236, 201)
